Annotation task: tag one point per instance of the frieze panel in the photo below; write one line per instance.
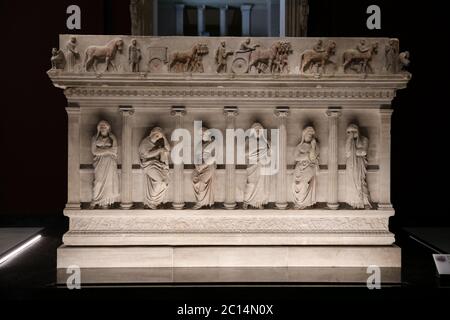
(304, 57)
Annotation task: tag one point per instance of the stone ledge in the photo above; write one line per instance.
(86, 238)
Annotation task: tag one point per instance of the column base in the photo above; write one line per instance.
(178, 206)
(281, 206)
(385, 206)
(126, 206)
(230, 206)
(73, 206)
(333, 206)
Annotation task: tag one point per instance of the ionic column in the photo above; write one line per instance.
(126, 178)
(384, 174)
(179, 7)
(73, 157)
(178, 169)
(333, 116)
(246, 11)
(223, 21)
(281, 202)
(201, 19)
(230, 168)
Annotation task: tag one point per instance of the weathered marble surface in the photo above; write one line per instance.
(177, 80)
(278, 56)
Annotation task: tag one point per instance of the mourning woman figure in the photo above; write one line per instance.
(306, 157)
(256, 192)
(106, 179)
(356, 154)
(154, 153)
(203, 175)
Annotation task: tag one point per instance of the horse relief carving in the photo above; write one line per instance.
(106, 53)
(318, 57)
(359, 59)
(247, 56)
(188, 61)
(272, 60)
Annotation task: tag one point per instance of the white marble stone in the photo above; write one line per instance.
(228, 257)
(282, 83)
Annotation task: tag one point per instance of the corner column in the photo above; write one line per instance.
(126, 177)
(73, 156)
(333, 116)
(178, 169)
(230, 164)
(384, 175)
(179, 15)
(281, 202)
(246, 11)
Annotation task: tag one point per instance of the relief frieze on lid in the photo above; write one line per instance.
(302, 57)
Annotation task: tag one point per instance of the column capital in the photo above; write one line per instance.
(201, 7)
(333, 112)
(282, 111)
(73, 108)
(230, 111)
(223, 7)
(178, 111)
(179, 6)
(126, 110)
(246, 7)
(386, 111)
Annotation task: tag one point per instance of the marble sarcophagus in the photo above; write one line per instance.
(305, 182)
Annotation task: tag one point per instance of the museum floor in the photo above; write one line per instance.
(35, 271)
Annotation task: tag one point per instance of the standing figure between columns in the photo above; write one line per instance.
(356, 154)
(154, 153)
(257, 189)
(106, 179)
(306, 157)
(203, 175)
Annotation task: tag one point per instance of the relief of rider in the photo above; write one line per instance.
(246, 47)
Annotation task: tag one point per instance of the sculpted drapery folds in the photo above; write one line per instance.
(306, 157)
(257, 188)
(154, 153)
(106, 179)
(203, 176)
(356, 148)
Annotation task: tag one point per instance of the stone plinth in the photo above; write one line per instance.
(228, 227)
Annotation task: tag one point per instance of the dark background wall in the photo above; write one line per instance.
(33, 136)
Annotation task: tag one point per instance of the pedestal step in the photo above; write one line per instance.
(228, 227)
(228, 256)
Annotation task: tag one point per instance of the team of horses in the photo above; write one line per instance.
(273, 59)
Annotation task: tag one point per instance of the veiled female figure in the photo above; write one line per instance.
(106, 179)
(154, 153)
(356, 154)
(203, 175)
(256, 192)
(306, 157)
